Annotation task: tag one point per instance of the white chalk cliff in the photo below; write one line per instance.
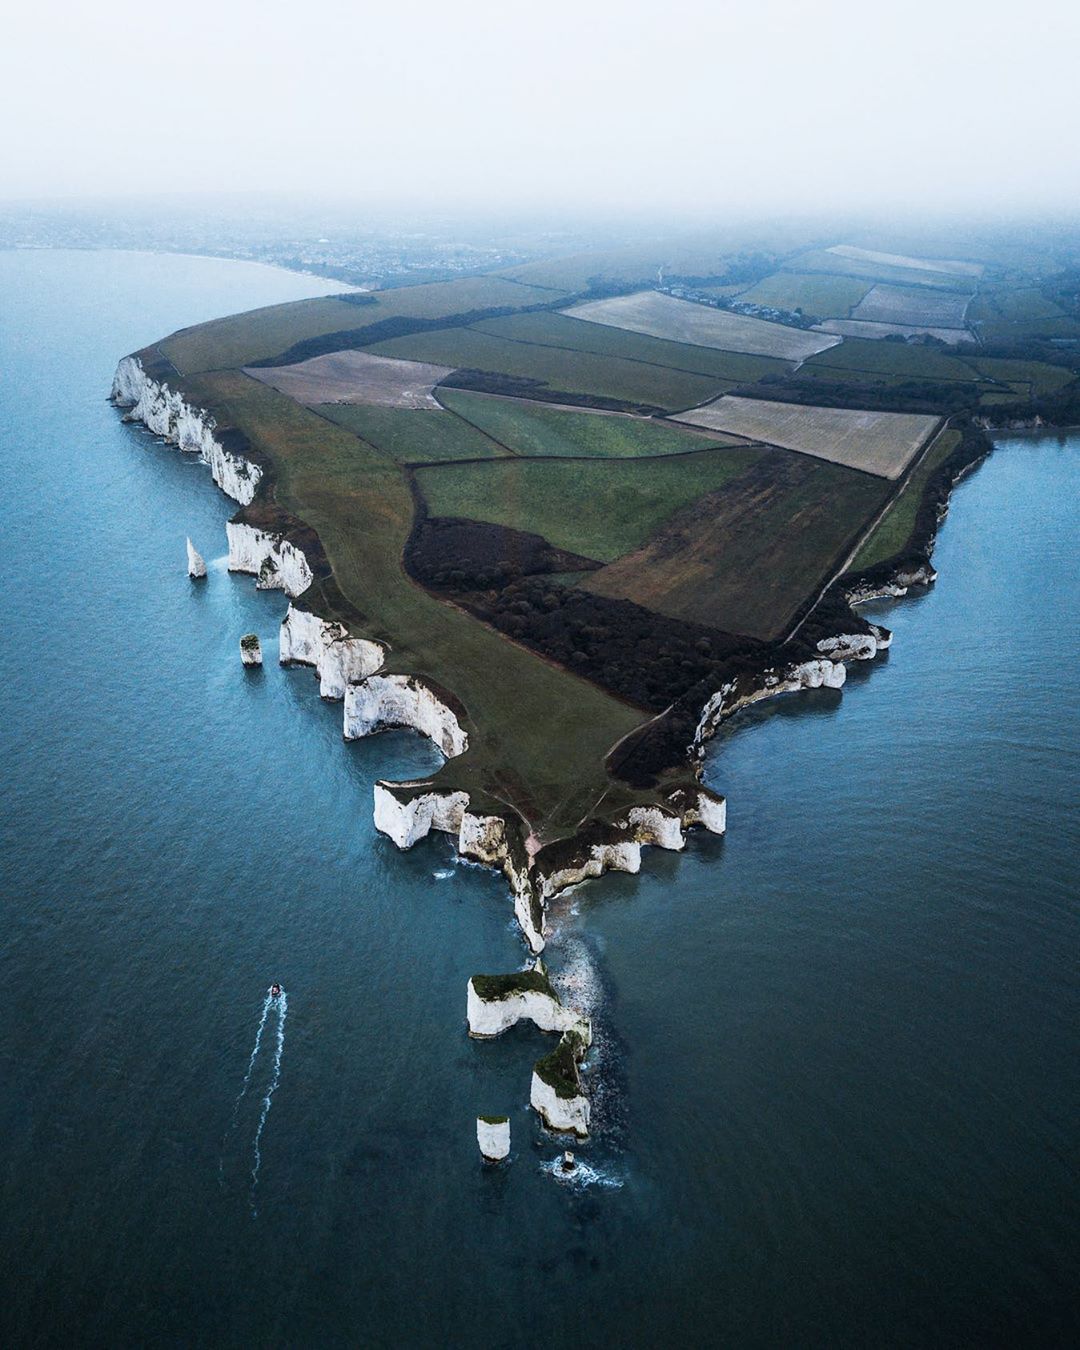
(339, 659)
(407, 812)
(276, 564)
(565, 1115)
(402, 701)
(896, 586)
(491, 1017)
(730, 697)
(168, 415)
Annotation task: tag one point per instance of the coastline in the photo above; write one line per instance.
(186, 253)
(283, 553)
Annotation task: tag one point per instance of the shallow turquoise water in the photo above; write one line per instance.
(836, 1085)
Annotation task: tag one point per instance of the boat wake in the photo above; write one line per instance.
(282, 1002)
(273, 1003)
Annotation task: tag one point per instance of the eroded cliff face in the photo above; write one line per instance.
(168, 415)
(493, 1137)
(491, 1017)
(856, 646)
(408, 820)
(276, 564)
(729, 698)
(402, 701)
(339, 660)
(564, 1115)
(407, 812)
(897, 585)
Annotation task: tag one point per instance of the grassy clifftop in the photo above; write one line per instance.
(466, 532)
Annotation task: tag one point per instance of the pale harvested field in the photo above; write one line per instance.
(947, 266)
(913, 305)
(663, 316)
(876, 442)
(860, 328)
(356, 377)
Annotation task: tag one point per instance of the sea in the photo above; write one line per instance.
(836, 1085)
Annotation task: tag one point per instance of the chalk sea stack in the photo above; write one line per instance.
(250, 650)
(196, 566)
(493, 1136)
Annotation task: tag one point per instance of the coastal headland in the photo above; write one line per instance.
(564, 521)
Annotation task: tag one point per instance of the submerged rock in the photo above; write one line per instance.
(250, 650)
(196, 566)
(493, 1136)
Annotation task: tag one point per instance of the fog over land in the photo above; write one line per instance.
(693, 106)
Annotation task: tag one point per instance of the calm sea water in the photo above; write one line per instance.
(836, 1079)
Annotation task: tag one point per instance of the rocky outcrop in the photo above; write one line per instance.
(383, 701)
(493, 1136)
(250, 650)
(408, 811)
(615, 855)
(406, 818)
(498, 1002)
(339, 660)
(196, 566)
(701, 806)
(498, 841)
(556, 1093)
(736, 694)
(895, 586)
(276, 564)
(856, 646)
(167, 414)
(563, 1115)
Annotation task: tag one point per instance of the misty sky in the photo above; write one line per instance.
(606, 102)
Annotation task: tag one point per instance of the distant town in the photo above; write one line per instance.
(344, 242)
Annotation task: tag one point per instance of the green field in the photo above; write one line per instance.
(1012, 305)
(533, 429)
(562, 330)
(998, 330)
(413, 435)
(1038, 377)
(891, 534)
(261, 334)
(597, 508)
(897, 360)
(243, 338)
(576, 373)
(746, 556)
(827, 297)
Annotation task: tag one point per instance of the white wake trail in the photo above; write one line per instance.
(283, 1008)
(267, 1003)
